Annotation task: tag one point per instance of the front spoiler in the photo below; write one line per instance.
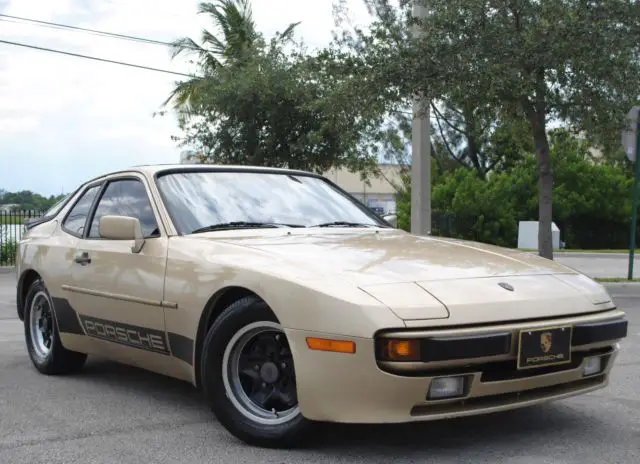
(354, 388)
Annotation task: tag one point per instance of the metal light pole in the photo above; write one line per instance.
(420, 151)
(631, 143)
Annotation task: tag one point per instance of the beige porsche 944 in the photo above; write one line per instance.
(289, 303)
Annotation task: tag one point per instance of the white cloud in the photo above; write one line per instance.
(64, 119)
(19, 124)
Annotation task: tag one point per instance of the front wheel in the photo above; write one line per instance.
(248, 377)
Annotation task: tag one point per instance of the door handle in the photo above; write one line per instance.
(82, 257)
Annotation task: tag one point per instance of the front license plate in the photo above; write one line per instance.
(544, 347)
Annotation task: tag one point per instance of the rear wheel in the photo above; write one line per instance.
(248, 377)
(43, 339)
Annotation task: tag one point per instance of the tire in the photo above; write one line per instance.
(224, 392)
(56, 359)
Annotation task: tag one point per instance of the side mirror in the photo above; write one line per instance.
(391, 219)
(122, 228)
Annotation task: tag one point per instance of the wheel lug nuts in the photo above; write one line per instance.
(264, 384)
(283, 365)
(257, 367)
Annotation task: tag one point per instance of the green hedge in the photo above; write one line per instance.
(591, 200)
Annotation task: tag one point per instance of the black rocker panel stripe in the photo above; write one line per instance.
(143, 338)
(66, 317)
(181, 347)
(126, 334)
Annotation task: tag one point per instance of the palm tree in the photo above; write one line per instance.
(234, 19)
(239, 39)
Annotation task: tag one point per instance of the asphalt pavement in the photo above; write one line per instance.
(115, 414)
(609, 265)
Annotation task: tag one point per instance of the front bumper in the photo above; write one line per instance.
(357, 388)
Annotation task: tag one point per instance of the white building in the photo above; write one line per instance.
(378, 192)
(8, 207)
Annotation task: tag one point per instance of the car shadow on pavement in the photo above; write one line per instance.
(113, 375)
(510, 429)
(511, 432)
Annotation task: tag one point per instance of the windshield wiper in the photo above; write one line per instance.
(242, 225)
(343, 224)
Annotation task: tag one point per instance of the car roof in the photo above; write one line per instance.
(153, 169)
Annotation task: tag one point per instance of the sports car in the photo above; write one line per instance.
(290, 304)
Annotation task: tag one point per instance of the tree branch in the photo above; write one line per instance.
(446, 143)
(438, 113)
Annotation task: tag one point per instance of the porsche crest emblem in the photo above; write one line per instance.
(546, 341)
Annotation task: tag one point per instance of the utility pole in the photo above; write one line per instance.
(420, 150)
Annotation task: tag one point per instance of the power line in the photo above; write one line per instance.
(37, 22)
(95, 58)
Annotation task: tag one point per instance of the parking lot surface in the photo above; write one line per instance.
(115, 414)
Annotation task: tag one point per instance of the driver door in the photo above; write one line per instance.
(117, 293)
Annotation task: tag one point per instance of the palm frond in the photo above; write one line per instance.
(185, 94)
(289, 31)
(214, 44)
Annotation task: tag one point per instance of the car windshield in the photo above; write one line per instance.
(202, 199)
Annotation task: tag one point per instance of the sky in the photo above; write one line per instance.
(64, 119)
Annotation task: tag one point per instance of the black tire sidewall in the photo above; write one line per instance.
(43, 364)
(241, 313)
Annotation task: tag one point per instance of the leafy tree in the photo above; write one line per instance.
(572, 60)
(28, 200)
(478, 137)
(268, 102)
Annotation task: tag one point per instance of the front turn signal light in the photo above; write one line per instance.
(325, 344)
(400, 350)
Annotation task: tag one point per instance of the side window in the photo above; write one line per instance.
(75, 220)
(125, 198)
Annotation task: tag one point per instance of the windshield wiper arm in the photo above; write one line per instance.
(242, 225)
(343, 224)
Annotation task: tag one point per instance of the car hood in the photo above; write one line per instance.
(434, 278)
(388, 256)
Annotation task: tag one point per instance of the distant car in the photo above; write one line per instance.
(289, 303)
(379, 210)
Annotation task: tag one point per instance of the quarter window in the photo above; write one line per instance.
(75, 220)
(126, 198)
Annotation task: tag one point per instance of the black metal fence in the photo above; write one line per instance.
(580, 233)
(11, 229)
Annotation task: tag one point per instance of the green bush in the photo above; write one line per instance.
(8, 252)
(591, 200)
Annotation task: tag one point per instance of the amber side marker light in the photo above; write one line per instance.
(400, 350)
(325, 344)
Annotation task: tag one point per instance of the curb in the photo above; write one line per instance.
(621, 284)
(593, 255)
(7, 270)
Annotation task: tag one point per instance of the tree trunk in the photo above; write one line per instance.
(545, 185)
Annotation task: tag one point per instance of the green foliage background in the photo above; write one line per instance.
(592, 199)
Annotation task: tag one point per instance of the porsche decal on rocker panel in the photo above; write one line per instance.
(125, 334)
